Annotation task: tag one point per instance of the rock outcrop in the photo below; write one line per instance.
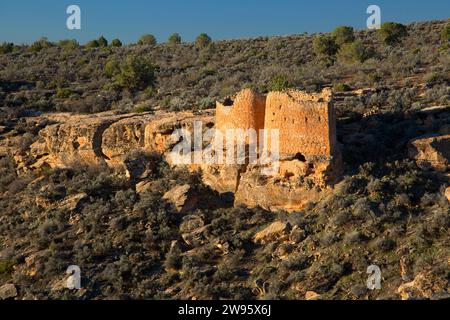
(311, 295)
(424, 286)
(276, 192)
(309, 161)
(431, 152)
(77, 141)
(8, 291)
(276, 231)
(182, 198)
(106, 139)
(223, 178)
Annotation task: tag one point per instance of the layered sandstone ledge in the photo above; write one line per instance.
(106, 139)
(307, 170)
(309, 166)
(431, 151)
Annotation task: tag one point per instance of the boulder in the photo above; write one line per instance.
(74, 202)
(43, 163)
(144, 186)
(276, 231)
(278, 192)
(447, 193)
(70, 203)
(222, 178)
(43, 202)
(182, 198)
(424, 286)
(405, 268)
(8, 291)
(431, 152)
(297, 235)
(4, 151)
(195, 238)
(311, 295)
(192, 231)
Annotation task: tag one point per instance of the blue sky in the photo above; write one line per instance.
(23, 21)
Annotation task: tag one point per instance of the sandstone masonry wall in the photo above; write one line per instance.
(306, 123)
(246, 110)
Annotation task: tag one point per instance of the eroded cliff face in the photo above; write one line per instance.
(276, 192)
(77, 140)
(106, 139)
(431, 152)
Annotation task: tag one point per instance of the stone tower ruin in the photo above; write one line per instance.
(246, 110)
(310, 161)
(306, 122)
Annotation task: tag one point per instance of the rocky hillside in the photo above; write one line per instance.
(69, 77)
(98, 190)
(143, 229)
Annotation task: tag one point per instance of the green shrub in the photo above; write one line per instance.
(97, 43)
(445, 33)
(203, 40)
(279, 83)
(174, 39)
(147, 40)
(69, 44)
(353, 51)
(111, 68)
(342, 87)
(433, 78)
(392, 32)
(6, 47)
(208, 71)
(92, 44)
(375, 77)
(40, 44)
(102, 42)
(343, 34)
(325, 45)
(7, 173)
(444, 47)
(149, 92)
(6, 267)
(143, 108)
(207, 102)
(63, 93)
(173, 259)
(116, 43)
(135, 73)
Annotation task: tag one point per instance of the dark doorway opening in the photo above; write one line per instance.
(300, 157)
